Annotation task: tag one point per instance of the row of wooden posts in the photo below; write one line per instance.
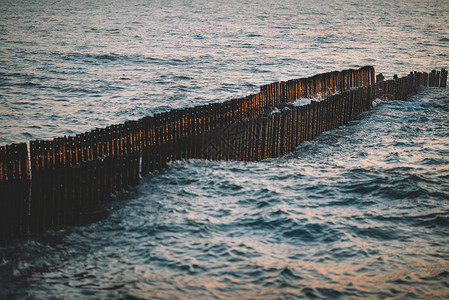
(62, 178)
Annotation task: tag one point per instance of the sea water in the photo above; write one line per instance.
(362, 211)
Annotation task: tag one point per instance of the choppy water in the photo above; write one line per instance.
(362, 211)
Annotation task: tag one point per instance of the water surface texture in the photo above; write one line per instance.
(361, 211)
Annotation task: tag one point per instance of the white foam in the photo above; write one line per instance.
(377, 101)
(302, 102)
(306, 101)
(274, 111)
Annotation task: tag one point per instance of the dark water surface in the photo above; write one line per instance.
(360, 212)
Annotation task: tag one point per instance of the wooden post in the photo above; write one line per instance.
(317, 122)
(300, 134)
(269, 138)
(294, 128)
(351, 99)
(339, 110)
(5, 192)
(7, 198)
(14, 186)
(332, 113)
(275, 135)
(253, 135)
(380, 77)
(437, 78)
(432, 78)
(283, 133)
(248, 139)
(290, 131)
(108, 171)
(264, 143)
(307, 122)
(188, 133)
(46, 184)
(322, 106)
(279, 131)
(323, 113)
(312, 119)
(443, 82)
(426, 79)
(157, 141)
(318, 118)
(175, 135)
(59, 184)
(423, 79)
(329, 114)
(258, 130)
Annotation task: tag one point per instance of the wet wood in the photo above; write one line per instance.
(76, 173)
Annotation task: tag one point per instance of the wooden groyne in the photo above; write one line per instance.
(50, 183)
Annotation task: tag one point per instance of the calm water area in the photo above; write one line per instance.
(362, 211)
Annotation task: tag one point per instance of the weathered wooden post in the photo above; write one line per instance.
(443, 80)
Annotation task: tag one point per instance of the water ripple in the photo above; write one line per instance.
(360, 212)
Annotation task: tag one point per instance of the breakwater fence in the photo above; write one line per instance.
(46, 184)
